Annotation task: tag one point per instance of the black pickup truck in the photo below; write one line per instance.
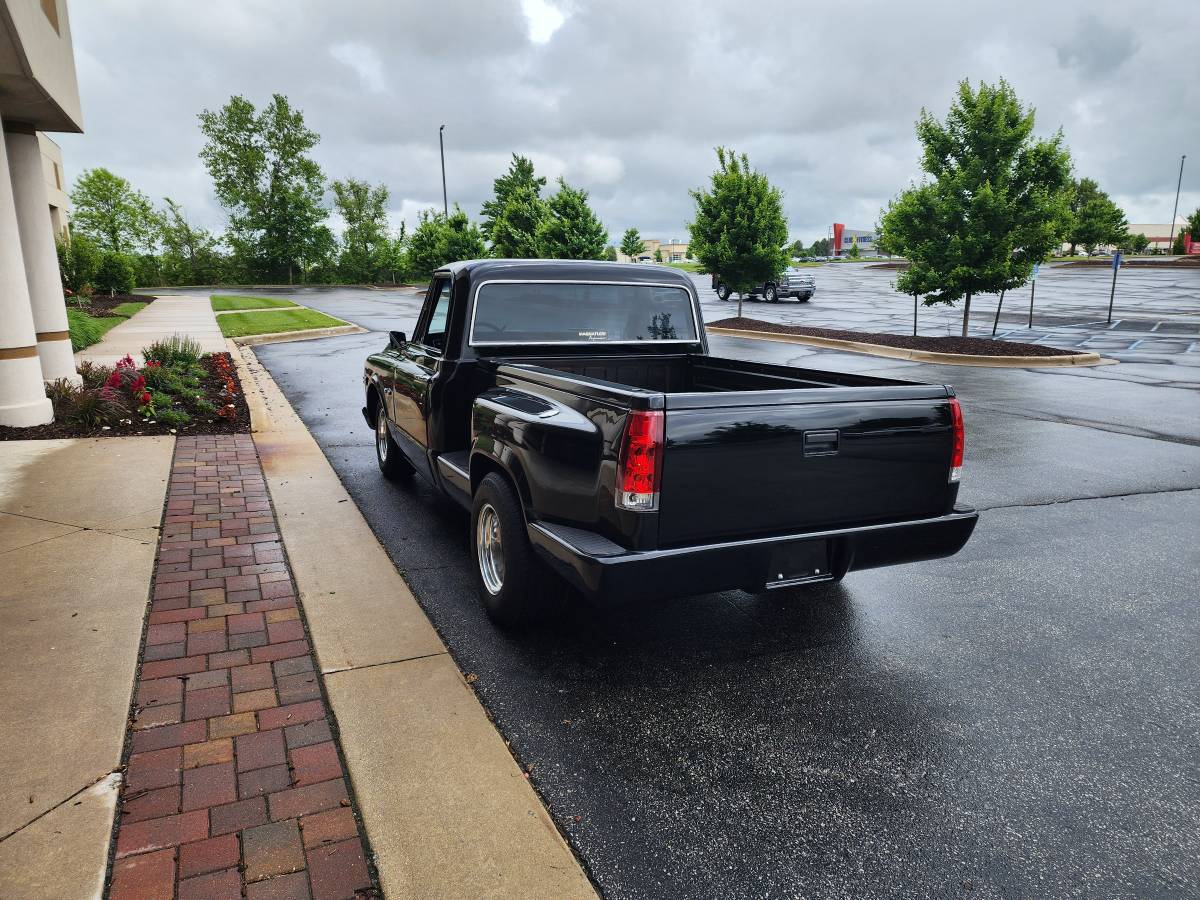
(574, 409)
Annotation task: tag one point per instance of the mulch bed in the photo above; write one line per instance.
(976, 346)
(210, 385)
(102, 305)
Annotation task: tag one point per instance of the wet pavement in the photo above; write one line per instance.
(1019, 720)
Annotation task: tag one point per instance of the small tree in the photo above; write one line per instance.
(739, 230)
(610, 253)
(364, 240)
(995, 205)
(632, 244)
(658, 254)
(109, 210)
(116, 273)
(1094, 219)
(78, 260)
(191, 255)
(854, 252)
(570, 229)
(1135, 243)
(512, 217)
(687, 254)
(437, 241)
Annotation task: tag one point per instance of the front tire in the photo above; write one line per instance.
(392, 462)
(505, 566)
(771, 293)
(723, 291)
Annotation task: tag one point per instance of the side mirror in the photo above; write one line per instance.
(397, 340)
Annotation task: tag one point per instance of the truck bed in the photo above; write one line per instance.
(754, 450)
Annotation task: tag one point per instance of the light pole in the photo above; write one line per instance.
(1178, 184)
(442, 148)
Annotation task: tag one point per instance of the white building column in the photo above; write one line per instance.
(39, 254)
(23, 399)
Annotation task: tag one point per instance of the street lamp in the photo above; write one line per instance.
(442, 147)
(1178, 184)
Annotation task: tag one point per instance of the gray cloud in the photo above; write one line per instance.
(628, 98)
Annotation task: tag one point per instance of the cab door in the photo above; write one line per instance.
(418, 364)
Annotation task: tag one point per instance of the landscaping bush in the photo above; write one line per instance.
(161, 378)
(94, 375)
(84, 330)
(86, 406)
(115, 274)
(175, 352)
(172, 417)
(78, 260)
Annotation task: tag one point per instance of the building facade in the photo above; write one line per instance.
(844, 239)
(672, 251)
(38, 92)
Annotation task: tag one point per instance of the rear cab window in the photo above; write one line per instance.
(563, 312)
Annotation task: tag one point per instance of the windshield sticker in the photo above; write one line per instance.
(594, 335)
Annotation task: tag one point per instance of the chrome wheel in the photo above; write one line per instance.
(381, 436)
(489, 549)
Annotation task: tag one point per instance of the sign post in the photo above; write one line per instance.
(1113, 292)
(914, 315)
(1032, 288)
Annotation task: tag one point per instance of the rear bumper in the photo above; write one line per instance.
(611, 575)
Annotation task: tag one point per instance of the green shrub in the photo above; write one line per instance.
(160, 401)
(172, 418)
(201, 405)
(78, 260)
(115, 274)
(160, 378)
(94, 375)
(177, 352)
(85, 330)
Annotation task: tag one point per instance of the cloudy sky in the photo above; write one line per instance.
(627, 98)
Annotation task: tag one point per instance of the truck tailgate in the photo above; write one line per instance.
(762, 467)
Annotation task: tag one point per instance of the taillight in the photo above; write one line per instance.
(639, 467)
(956, 456)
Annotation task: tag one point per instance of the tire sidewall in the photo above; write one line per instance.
(512, 605)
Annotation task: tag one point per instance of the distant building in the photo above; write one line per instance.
(38, 92)
(846, 238)
(1159, 234)
(672, 251)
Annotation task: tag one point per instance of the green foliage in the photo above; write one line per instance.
(78, 260)
(1177, 246)
(1193, 225)
(570, 229)
(854, 252)
(512, 218)
(365, 243)
(84, 330)
(190, 255)
(610, 253)
(1094, 220)
(269, 186)
(163, 378)
(93, 375)
(739, 230)
(1135, 243)
(820, 247)
(116, 273)
(171, 417)
(996, 204)
(178, 352)
(687, 254)
(203, 406)
(632, 244)
(438, 240)
(108, 209)
(657, 254)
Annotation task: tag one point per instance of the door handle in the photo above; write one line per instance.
(821, 443)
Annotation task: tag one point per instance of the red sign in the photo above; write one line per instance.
(837, 238)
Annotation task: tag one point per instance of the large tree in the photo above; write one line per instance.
(512, 217)
(632, 243)
(571, 229)
(365, 242)
(1094, 219)
(269, 185)
(108, 209)
(438, 240)
(190, 255)
(994, 202)
(739, 232)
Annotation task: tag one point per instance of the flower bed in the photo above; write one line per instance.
(178, 391)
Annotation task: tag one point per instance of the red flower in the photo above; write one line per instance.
(154, 364)
(126, 363)
(114, 380)
(145, 398)
(139, 385)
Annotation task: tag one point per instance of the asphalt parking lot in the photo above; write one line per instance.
(1019, 720)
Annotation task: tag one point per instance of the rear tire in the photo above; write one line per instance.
(723, 291)
(505, 566)
(392, 462)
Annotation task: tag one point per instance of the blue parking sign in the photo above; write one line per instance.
(1036, 266)
(1116, 260)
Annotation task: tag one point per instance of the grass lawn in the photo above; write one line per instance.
(269, 321)
(225, 302)
(687, 267)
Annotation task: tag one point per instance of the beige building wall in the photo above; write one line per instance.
(672, 251)
(56, 185)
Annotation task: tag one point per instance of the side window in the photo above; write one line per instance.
(435, 328)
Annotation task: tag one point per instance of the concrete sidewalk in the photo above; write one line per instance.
(78, 526)
(166, 316)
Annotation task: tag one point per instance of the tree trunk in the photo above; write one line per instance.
(739, 304)
(966, 313)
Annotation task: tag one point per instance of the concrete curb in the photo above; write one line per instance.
(279, 337)
(447, 810)
(952, 359)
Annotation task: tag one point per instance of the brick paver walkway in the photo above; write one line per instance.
(234, 786)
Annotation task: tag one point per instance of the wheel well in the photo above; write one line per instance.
(481, 465)
(373, 402)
